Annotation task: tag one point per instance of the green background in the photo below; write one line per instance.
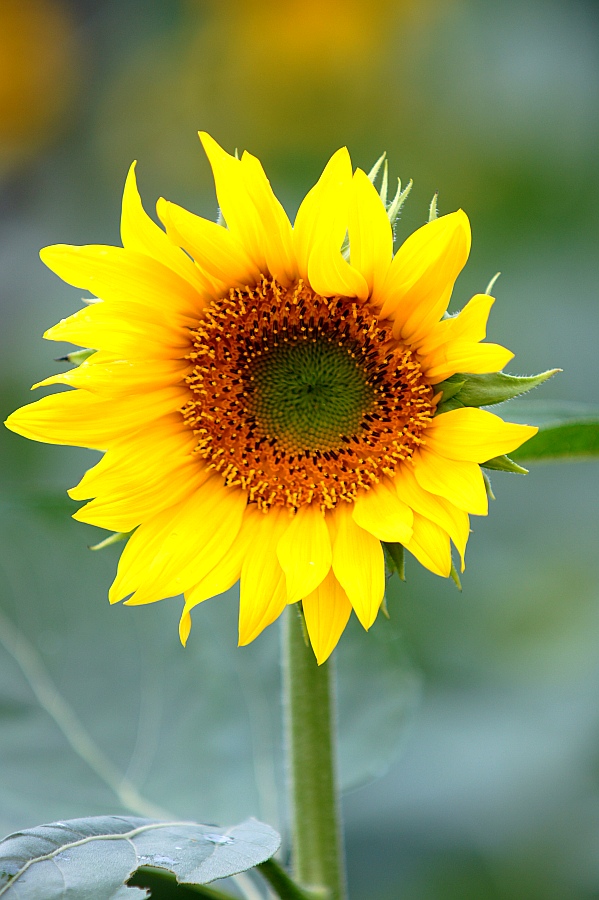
(478, 710)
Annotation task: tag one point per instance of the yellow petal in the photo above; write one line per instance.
(81, 419)
(430, 546)
(184, 627)
(103, 374)
(326, 610)
(129, 503)
(322, 216)
(140, 234)
(139, 456)
(252, 212)
(468, 325)
(471, 322)
(223, 576)
(439, 510)
(277, 234)
(370, 234)
(358, 564)
(171, 552)
(304, 552)
(125, 330)
(329, 273)
(238, 209)
(421, 277)
(381, 512)
(113, 273)
(215, 249)
(462, 356)
(474, 435)
(459, 482)
(263, 591)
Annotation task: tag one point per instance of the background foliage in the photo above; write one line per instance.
(496, 793)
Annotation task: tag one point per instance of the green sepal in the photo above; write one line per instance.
(447, 406)
(372, 175)
(302, 617)
(433, 210)
(504, 464)
(394, 208)
(449, 389)
(384, 608)
(76, 357)
(111, 539)
(488, 487)
(395, 559)
(487, 389)
(455, 577)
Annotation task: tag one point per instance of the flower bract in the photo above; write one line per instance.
(267, 404)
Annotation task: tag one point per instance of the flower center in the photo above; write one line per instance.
(309, 394)
(300, 398)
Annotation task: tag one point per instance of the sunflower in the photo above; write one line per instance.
(268, 403)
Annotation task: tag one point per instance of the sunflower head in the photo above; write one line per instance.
(275, 403)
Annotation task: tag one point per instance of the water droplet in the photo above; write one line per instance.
(219, 838)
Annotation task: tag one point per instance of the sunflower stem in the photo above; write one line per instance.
(308, 690)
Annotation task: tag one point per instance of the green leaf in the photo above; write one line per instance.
(566, 440)
(504, 464)
(488, 389)
(567, 431)
(93, 858)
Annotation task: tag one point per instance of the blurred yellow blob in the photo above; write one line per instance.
(37, 76)
(292, 78)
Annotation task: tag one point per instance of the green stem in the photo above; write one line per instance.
(281, 883)
(165, 882)
(310, 735)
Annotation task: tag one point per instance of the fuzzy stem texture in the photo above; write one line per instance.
(318, 861)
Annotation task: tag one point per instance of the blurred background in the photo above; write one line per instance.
(470, 722)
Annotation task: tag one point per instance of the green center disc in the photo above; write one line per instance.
(309, 395)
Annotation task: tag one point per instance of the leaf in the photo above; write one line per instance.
(92, 858)
(568, 440)
(567, 431)
(487, 389)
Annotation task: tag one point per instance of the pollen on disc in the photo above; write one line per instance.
(300, 398)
